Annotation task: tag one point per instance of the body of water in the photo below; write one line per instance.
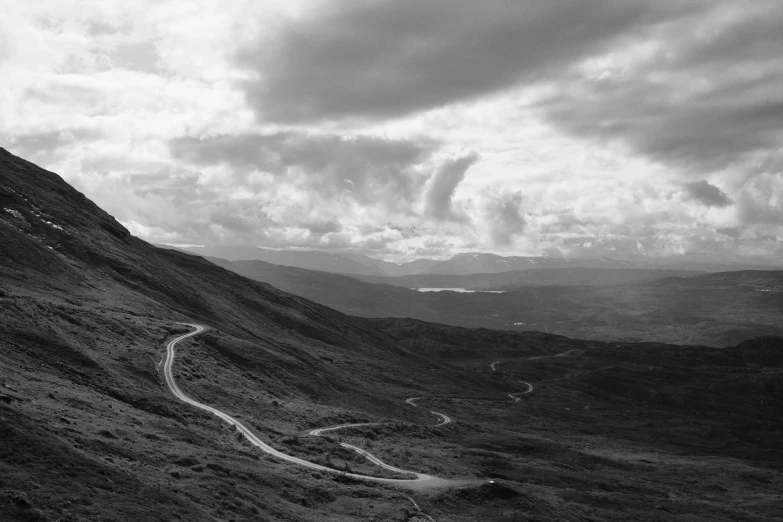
(460, 290)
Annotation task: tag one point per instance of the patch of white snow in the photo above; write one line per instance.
(14, 213)
(53, 225)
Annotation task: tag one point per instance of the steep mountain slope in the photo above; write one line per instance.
(90, 431)
(84, 310)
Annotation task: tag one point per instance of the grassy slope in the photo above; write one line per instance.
(629, 428)
(84, 311)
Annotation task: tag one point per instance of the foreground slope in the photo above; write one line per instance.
(90, 431)
(85, 308)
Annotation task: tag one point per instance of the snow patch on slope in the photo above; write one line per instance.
(14, 213)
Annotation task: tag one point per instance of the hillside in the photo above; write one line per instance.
(567, 276)
(85, 308)
(718, 309)
(334, 262)
(478, 266)
(483, 263)
(89, 429)
(308, 259)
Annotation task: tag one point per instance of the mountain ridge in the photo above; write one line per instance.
(714, 309)
(459, 264)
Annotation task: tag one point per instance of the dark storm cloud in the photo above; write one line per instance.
(380, 59)
(711, 97)
(505, 218)
(707, 194)
(441, 190)
(372, 170)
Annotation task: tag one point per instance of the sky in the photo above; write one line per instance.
(403, 129)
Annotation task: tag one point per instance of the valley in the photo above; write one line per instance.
(686, 307)
(283, 408)
(391, 261)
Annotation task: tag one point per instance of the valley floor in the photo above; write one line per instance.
(585, 444)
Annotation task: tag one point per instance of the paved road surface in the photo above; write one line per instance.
(421, 480)
(444, 419)
(516, 397)
(547, 356)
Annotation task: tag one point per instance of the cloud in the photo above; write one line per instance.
(226, 218)
(504, 218)
(383, 59)
(49, 146)
(141, 56)
(707, 194)
(761, 201)
(48, 142)
(732, 232)
(365, 169)
(438, 203)
(702, 93)
(595, 122)
(322, 227)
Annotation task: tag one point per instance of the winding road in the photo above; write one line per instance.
(516, 396)
(422, 480)
(444, 419)
(547, 356)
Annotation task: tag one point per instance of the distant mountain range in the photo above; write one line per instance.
(571, 276)
(671, 306)
(460, 264)
(342, 263)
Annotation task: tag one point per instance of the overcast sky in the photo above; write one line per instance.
(411, 128)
